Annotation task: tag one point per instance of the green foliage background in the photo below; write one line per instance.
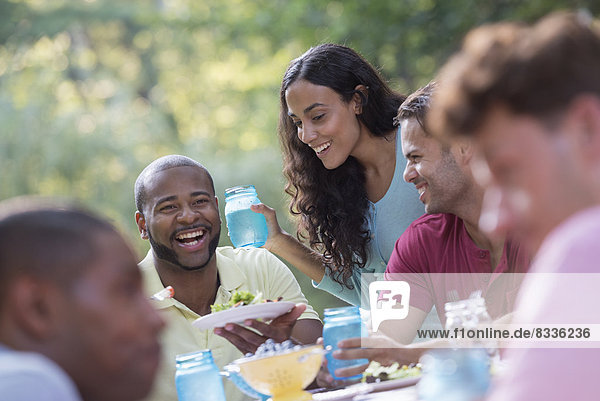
(92, 91)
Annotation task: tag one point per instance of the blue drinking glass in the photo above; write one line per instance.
(454, 375)
(246, 228)
(197, 377)
(339, 324)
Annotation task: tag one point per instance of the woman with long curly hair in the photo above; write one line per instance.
(344, 164)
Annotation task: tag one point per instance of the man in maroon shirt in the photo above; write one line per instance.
(443, 255)
(447, 239)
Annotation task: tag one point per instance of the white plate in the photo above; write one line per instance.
(266, 310)
(348, 393)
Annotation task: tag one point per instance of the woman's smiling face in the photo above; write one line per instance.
(324, 121)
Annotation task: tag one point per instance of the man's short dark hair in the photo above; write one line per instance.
(416, 105)
(158, 165)
(47, 239)
(533, 70)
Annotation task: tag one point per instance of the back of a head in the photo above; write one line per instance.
(70, 289)
(47, 240)
(535, 70)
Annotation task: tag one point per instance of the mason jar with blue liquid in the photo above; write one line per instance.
(246, 228)
(339, 324)
(454, 375)
(197, 377)
(459, 374)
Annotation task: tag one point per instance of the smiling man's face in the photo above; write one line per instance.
(534, 174)
(181, 217)
(433, 169)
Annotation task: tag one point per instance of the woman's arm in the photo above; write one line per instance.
(289, 248)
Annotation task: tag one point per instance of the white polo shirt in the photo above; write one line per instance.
(253, 269)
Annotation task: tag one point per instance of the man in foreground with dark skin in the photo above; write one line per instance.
(177, 212)
(75, 323)
(529, 96)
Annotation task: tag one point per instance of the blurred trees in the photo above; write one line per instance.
(92, 91)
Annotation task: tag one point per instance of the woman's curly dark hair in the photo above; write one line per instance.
(333, 204)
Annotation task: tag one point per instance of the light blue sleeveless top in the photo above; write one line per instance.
(387, 219)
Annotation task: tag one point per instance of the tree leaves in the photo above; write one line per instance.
(92, 91)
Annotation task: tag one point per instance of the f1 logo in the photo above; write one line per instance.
(389, 301)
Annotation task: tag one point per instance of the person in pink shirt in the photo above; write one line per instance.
(529, 96)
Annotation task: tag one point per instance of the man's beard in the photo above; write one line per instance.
(449, 189)
(165, 253)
